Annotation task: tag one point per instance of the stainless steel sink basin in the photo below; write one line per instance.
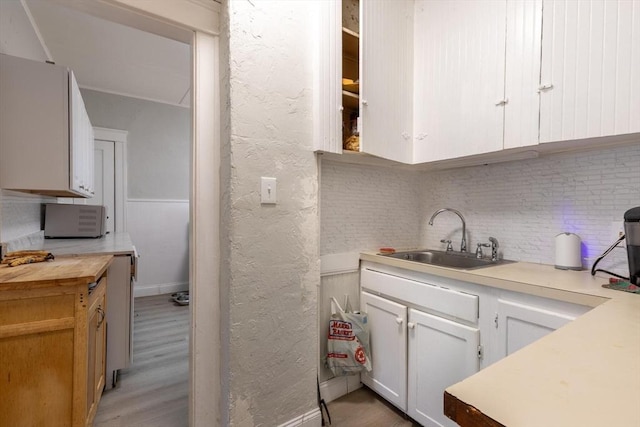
(463, 261)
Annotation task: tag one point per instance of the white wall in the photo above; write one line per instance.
(160, 231)
(270, 272)
(158, 142)
(157, 199)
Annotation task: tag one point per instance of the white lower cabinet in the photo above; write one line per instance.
(521, 324)
(441, 353)
(388, 327)
(426, 330)
(415, 356)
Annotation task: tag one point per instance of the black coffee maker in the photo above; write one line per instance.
(632, 234)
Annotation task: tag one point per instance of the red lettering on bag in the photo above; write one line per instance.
(337, 356)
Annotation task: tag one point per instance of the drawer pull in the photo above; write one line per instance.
(102, 317)
(399, 320)
(411, 325)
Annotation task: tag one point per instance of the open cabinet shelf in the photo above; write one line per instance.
(350, 82)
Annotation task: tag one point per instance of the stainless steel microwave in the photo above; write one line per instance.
(73, 221)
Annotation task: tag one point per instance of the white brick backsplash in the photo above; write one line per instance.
(524, 204)
(20, 215)
(365, 207)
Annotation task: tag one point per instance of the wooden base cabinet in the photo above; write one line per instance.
(52, 344)
(96, 349)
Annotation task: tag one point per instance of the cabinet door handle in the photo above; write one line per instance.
(502, 102)
(102, 317)
(341, 108)
(411, 325)
(545, 88)
(365, 102)
(399, 320)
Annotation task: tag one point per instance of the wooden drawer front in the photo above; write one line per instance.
(28, 310)
(456, 304)
(36, 379)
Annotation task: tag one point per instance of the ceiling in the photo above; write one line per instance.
(110, 57)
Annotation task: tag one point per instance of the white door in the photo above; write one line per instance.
(590, 69)
(103, 182)
(388, 328)
(519, 325)
(441, 353)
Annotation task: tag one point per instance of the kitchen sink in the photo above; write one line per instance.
(463, 261)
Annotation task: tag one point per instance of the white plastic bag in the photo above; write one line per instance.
(348, 341)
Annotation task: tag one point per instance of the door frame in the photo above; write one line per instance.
(196, 22)
(119, 139)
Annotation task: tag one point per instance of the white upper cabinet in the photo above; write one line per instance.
(447, 79)
(590, 74)
(386, 64)
(459, 78)
(46, 138)
(379, 59)
(522, 73)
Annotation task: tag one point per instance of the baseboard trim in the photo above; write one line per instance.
(163, 288)
(312, 418)
(337, 387)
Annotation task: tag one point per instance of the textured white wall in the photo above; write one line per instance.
(271, 271)
(368, 207)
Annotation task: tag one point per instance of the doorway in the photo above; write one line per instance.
(196, 23)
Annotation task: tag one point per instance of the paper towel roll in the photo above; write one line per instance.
(568, 254)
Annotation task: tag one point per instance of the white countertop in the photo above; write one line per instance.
(109, 244)
(586, 373)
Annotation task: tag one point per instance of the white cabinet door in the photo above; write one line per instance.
(80, 142)
(441, 353)
(590, 69)
(459, 78)
(522, 73)
(520, 325)
(328, 77)
(386, 79)
(388, 326)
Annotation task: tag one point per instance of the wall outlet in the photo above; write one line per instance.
(617, 230)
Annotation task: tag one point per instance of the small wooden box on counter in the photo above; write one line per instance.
(52, 341)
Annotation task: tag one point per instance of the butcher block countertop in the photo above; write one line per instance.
(585, 374)
(63, 271)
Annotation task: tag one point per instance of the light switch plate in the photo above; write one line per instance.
(268, 190)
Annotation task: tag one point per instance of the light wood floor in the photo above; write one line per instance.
(153, 392)
(364, 408)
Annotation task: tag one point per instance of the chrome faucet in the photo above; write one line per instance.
(463, 244)
(494, 248)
